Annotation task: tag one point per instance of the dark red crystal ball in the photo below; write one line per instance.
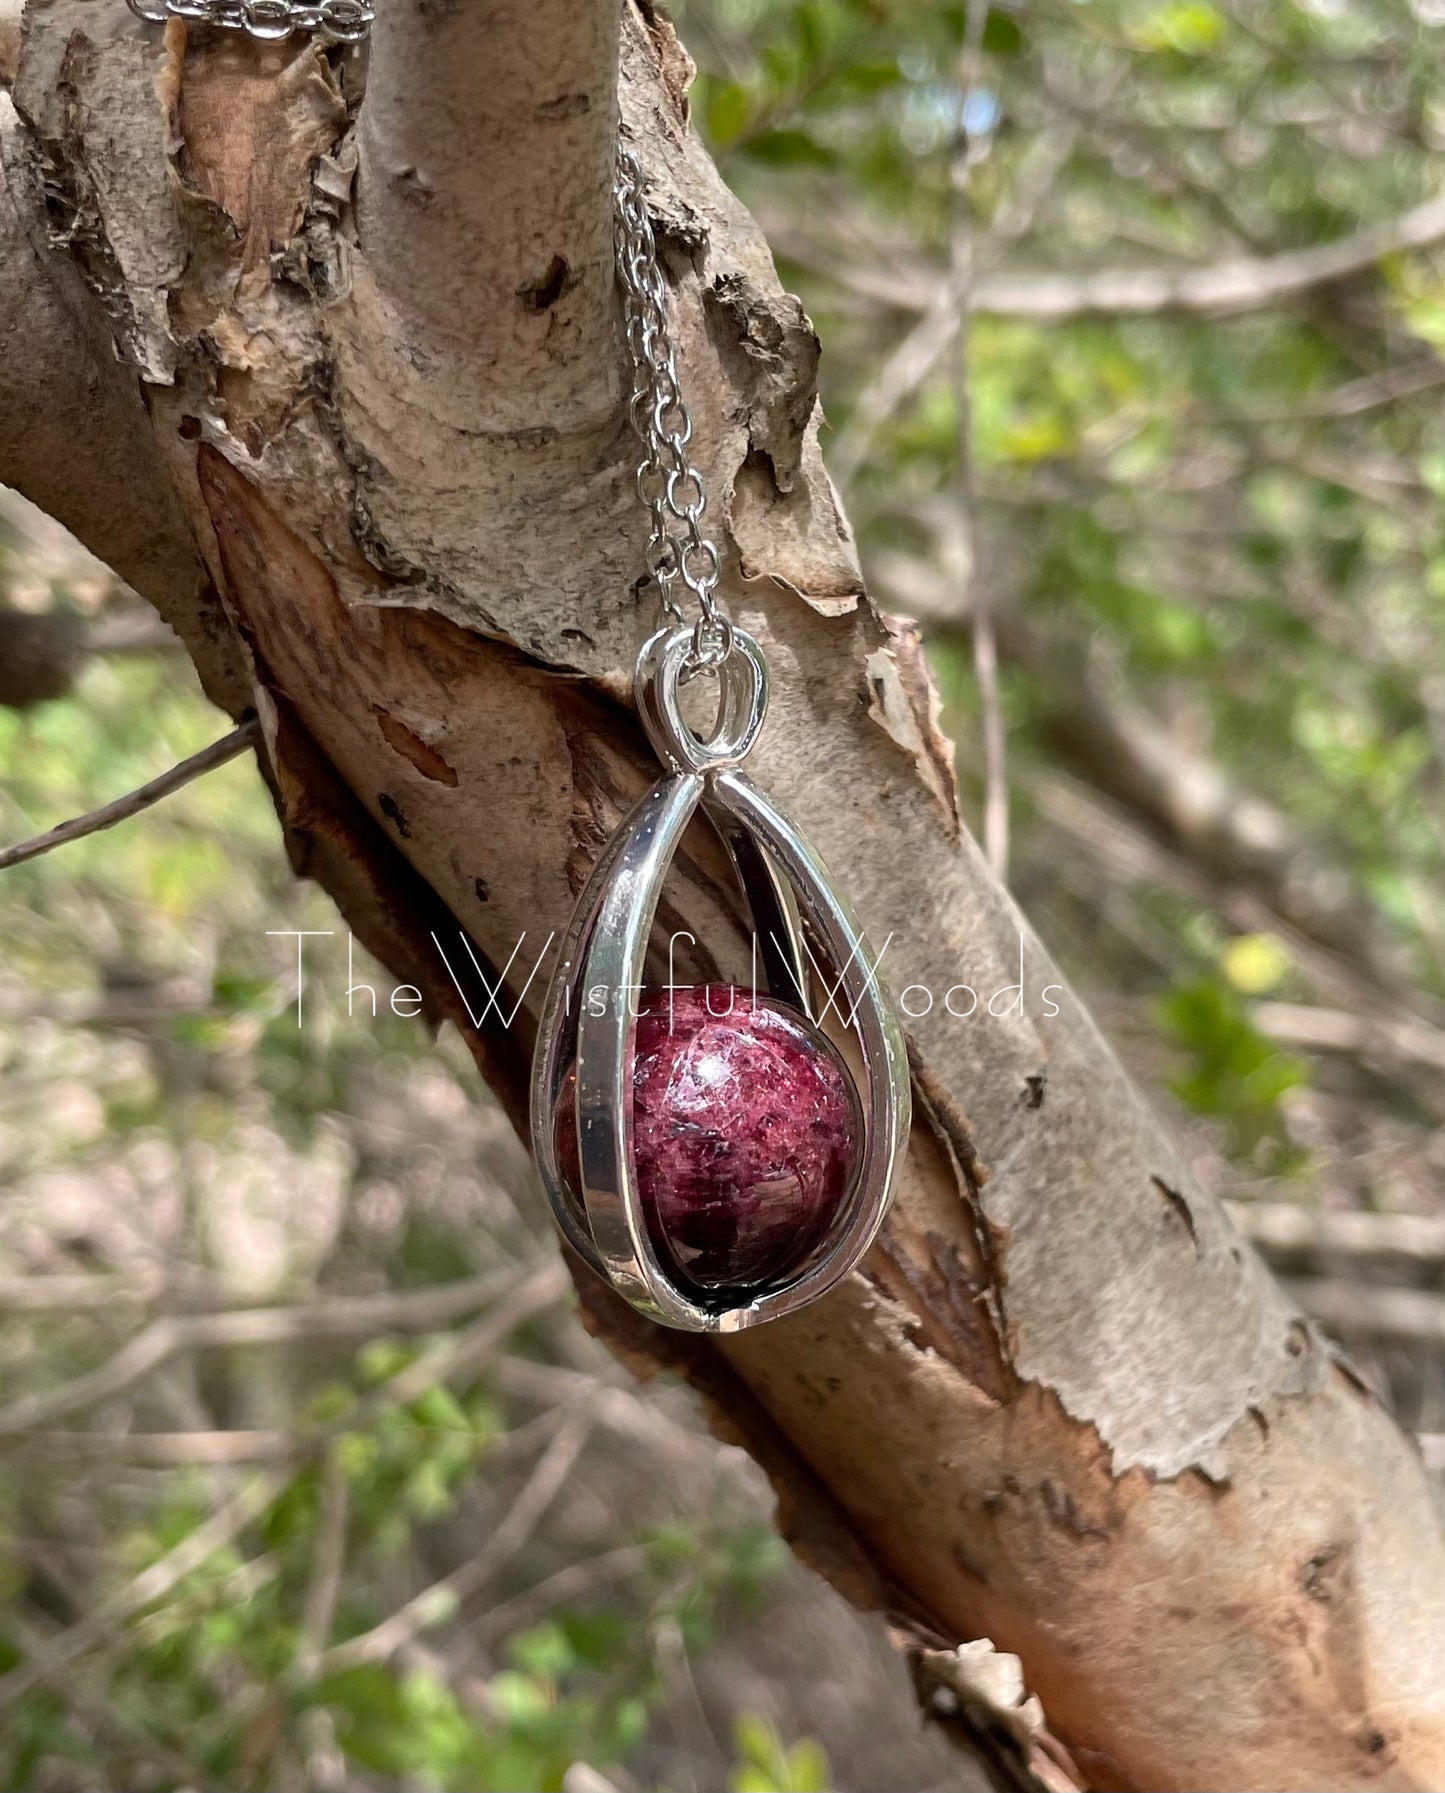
(746, 1131)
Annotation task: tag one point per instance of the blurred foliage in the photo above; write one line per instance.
(1214, 547)
(1229, 522)
(160, 1111)
(767, 1765)
(1231, 1069)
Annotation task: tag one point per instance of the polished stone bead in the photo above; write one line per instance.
(746, 1132)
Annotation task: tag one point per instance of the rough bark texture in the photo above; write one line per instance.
(338, 386)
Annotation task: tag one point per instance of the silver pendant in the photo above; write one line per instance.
(797, 915)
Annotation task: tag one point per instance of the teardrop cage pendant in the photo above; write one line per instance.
(586, 1049)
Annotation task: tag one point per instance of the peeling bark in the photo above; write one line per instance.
(339, 386)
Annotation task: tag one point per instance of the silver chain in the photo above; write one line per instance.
(678, 553)
(270, 21)
(667, 481)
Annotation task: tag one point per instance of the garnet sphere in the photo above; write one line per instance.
(746, 1131)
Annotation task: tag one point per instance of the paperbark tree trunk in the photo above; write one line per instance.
(339, 387)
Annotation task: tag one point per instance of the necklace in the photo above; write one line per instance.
(268, 21)
(717, 1156)
(718, 1168)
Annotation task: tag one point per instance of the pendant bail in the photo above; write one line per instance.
(662, 669)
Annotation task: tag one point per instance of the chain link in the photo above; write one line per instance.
(678, 553)
(269, 21)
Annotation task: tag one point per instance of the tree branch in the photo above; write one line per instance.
(354, 1316)
(1130, 851)
(907, 368)
(533, 1292)
(136, 802)
(152, 1584)
(1368, 1310)
(319, 1613)
(1046, 1403)
(1396, 1041)
(484, 211)
(436, 1604)
(1102, 732)
(561, 1588)
(979, 594)
(1288, 1229)
(74, 434)
(1246, 283)
(173, 1450)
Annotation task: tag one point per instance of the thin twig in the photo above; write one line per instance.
(436, 1604)
(1223, 289)
(152, 1584)
(915, 358)
(534, 1294)
(566, 1584)
(172, 1450)
(414, 1310)
(1356, 397)
(691, 1725)
(229, 747)
(900, 376)
(1244, 284)
(177, 1450)
(321, 1596)
(1372, 1036)
(985, 644)
(78, 1293)
(1412, 1316)
(135, 1359)
(84, 1698)
(1109, 834)
(531, 1295)
(614, 1405)
(1290, 1228)
(135, 1009)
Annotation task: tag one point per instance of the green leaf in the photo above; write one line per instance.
(765, 1764)
(1190, 26)
(788, 148)
(729, 108)
(1001, 34)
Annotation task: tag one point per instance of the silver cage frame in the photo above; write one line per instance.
(788, 889)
